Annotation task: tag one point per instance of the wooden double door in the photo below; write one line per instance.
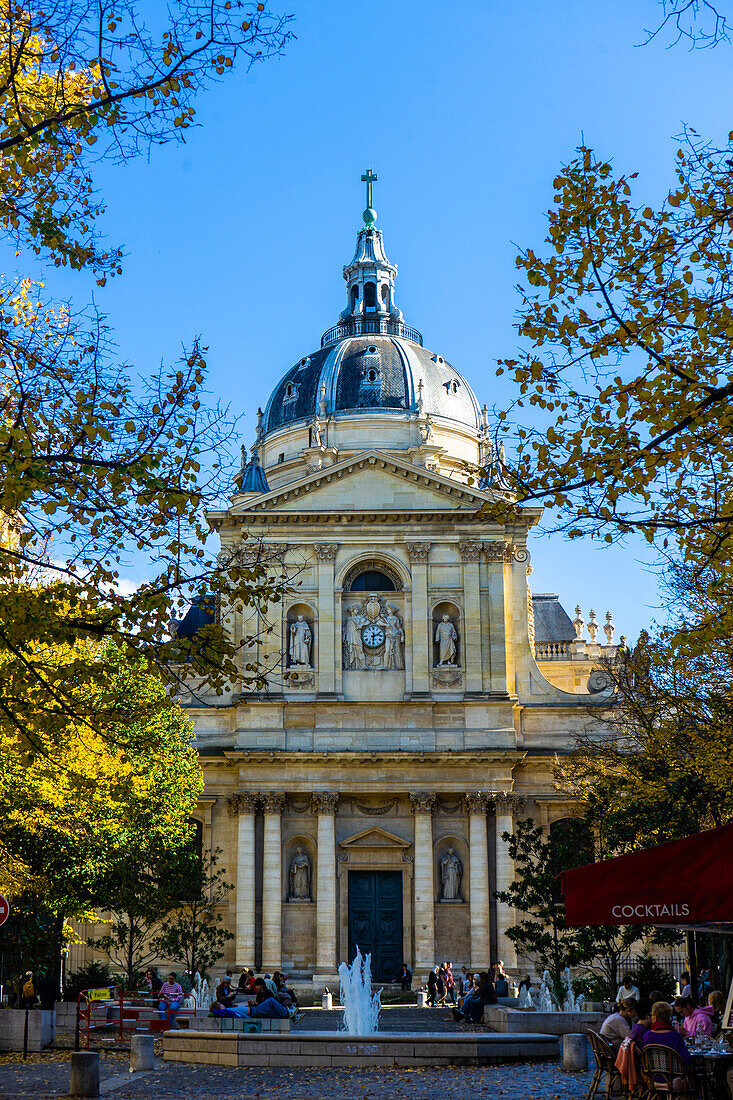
(375, 920)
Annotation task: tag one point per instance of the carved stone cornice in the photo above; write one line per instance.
(418, 551)
(242, 802)
(325, 802)
(326, 551)
(471, 551)
(476, 802)
(274, 802)
(422, 802)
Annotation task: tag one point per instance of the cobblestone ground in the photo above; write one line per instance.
(511, 1081)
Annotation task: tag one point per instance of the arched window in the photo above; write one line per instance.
(385, 292)
(372, 581)
(370, 295)
(372, 575)
(354, 295)
(372, 375)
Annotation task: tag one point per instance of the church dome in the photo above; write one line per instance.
(363, 373)
(371, 385)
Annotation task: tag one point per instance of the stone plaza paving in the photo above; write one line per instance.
(513, 1081)
(47, 1074)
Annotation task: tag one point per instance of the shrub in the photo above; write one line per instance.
(93, 976)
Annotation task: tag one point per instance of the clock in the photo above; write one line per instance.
(372, 636)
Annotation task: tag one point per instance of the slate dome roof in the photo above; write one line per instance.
(363, 373)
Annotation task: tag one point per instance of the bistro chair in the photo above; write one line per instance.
(605, 1059)
(663, 1067)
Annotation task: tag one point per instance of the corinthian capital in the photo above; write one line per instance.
(242, 802)
(422, 802)
(325, 802)
(274, 802)
(418, 551)
(325, 551)
(471, 551)
(506, 802)
(476, 802)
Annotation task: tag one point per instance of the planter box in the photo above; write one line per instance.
(516, 1020)
(41, 1028)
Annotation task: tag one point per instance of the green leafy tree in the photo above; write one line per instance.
(193, 931)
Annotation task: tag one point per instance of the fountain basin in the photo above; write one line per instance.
(328, 1048)
(518, 1021)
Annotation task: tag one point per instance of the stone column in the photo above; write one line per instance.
(496, 554)
(272, 883)
(471, 554)
(324, 804)
(422, 643)
(326, 554)
(478, 862)
(242, 805)
(422, 805)
(505, 805)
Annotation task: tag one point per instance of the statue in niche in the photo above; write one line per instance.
(354, 646)
(394, 655)
(300, 877)
(451, 870)
(300, 643)
(446, 638)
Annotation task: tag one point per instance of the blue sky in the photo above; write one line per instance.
(465, 111)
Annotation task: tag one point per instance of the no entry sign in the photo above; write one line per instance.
(4, 909)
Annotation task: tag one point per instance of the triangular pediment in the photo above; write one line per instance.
(370, 481)
(374, 838)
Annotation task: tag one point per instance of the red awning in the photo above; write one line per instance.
(683, 882)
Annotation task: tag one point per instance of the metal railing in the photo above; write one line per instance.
(552, 651)
(379, 326)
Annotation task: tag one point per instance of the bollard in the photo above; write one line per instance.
(327, 999)
(422, 999)
(142, 1052)
(574, 1052)
(84, 1073)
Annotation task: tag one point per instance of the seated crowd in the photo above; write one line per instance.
(267, 997)
(639, 1022)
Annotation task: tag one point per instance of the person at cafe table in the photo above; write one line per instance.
(696, 1019)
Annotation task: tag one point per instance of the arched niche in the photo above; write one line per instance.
(453, 611)
(441, 851)
(309, 849)
(291, 619)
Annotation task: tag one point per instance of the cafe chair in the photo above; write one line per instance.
(605, 1059)
(667, 1074)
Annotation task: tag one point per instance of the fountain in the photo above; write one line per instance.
(546, 1002)
(203, 996)
(571, 1002)
(361, 1007)
(544, 1012)
(525, 999)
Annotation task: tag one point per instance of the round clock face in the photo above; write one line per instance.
(372, 636)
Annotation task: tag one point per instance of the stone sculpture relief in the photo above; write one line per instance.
(446, 639)
(300, 877)
(373, 636)
(451, 870)
(300, 643)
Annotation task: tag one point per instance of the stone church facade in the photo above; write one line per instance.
(362, 797)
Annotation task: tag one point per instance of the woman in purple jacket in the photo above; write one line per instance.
(663, 1034)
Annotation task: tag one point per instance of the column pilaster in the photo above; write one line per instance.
(274, 803)
(506, 805)
(478, 862)
(422, 804)
(326, 555)
(325, 804)
(497, 553)
(242, 805)
(471, 555)
(421, 641)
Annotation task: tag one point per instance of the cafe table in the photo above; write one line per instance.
(710, 1067)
